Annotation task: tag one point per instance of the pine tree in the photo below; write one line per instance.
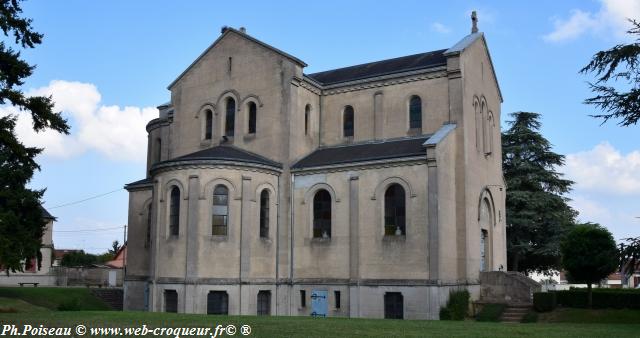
(620, 63)
(21, 222)
(537, 213)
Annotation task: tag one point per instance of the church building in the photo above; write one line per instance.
(367, 191)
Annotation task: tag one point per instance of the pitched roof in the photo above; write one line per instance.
(143, 181)
(384, 67)
(46, 214)
(228, 30)
(363, 152)
(226, 153)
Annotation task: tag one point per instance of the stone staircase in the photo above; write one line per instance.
(113, 297)
(514, 313)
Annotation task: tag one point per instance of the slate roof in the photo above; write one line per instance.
(384, 67)
(46, 214)
(147, 180)
(364, 152)
(226, 153)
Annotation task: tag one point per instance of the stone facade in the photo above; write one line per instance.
(288, 203)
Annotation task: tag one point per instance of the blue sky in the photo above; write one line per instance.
(107, 65)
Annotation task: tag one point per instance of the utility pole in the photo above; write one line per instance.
(124, 252)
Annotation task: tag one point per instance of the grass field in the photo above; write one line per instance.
(595, 323)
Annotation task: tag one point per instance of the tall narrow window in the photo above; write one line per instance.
(147, 241)
(393, 305)
(488, 137)
(252, 117)
(208, 124)
(394, 210)
(415, 112)
(170, 301)
(157, 152)
(322, 214)
(307, 112)
(217, 303)
(348, 121)
(336, 295)
(303, 298)
(230, 119)
(220, 212)
(264, 303)
(174, 212)
(264, 213)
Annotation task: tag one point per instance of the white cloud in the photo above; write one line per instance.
(610, 18)
(117, 132)
(604, 169)
(440, 28)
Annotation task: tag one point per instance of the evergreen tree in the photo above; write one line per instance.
(622, 62)
(21, 223)
(537, 213)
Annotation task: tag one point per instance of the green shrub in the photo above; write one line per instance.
(602, 298)
(490, 313)
(457, 306)
(72, 304)
(530, 317)
(544, 301)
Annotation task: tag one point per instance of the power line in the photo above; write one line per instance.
(84, 230)
(86, 199)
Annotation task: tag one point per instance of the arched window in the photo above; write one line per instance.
(157, 151)
(174, 212)
(322, 214)
(230, 119)
(220, 211)
(394, 210)
(348, 123)
(147, 241)
(307, 113)
(208, 124)
(488, 137)
(252, 117)
(264, 213)
(415, 112)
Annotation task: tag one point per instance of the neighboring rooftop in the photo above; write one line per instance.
(383, 67)
(363, 152)
(226, 153)
(46, 214)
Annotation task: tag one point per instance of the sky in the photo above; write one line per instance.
(107, 65)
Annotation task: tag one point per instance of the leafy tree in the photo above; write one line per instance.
(620, 63)
(78, 259)
(115, 246)
(21, 223)
(629, 255)
(537, 213)
(588, 255)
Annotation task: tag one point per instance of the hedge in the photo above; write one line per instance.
(457, 306)
(544, 301)
(578, 298)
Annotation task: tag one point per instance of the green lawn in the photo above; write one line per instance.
(322, 327)
(20, 309)
(609, 316)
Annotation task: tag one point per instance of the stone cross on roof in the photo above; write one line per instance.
(474, 22)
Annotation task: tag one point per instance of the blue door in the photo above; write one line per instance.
(319, 303)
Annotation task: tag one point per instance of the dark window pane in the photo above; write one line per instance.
(220, 211)
(336, 295)
(322, 214)
(394, 210)
(348, 121)
(230, 119)
(307, 111)
(303, 298)
(252, 118)
(174, 212)
(415, 112)
(208, 126)
(264, 213)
